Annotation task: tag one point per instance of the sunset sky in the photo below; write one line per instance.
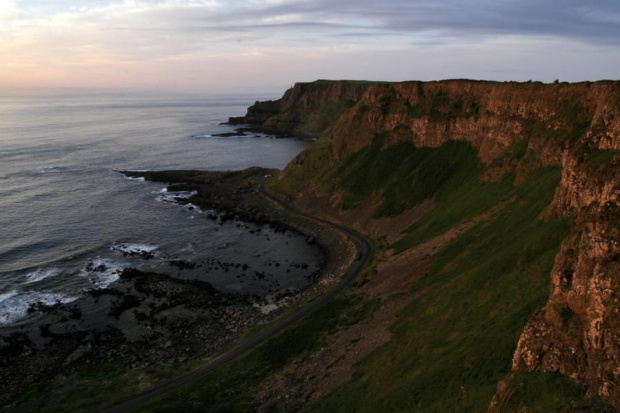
(253, 44)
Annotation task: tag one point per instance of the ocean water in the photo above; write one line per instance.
(69, 222)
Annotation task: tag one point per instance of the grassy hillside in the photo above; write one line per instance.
(453, 344)
(402, 174)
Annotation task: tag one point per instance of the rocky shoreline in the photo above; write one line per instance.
(147, 322)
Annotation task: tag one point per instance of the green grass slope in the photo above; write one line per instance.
(453, 344)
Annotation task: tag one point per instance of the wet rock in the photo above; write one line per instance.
(183, 265)
(127, 302)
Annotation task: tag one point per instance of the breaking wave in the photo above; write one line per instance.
(14, 305)
(102, 272)
(41, 274)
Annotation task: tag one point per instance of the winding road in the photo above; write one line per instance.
(364, 254)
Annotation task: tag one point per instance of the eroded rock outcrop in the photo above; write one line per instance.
(306, 108)
(578, 331)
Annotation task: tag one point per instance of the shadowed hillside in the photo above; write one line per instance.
(521, 179)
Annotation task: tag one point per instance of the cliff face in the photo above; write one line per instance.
(306, 108)
(572, 126)
(578, 332)
(489, 115)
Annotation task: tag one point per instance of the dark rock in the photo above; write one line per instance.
(235, 120)
(128, 301)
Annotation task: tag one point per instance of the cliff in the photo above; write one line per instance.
(305, 109)
(490, 115)
(375, 136)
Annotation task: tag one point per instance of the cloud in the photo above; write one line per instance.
(596, 21)
(8, 10)
(130, 37)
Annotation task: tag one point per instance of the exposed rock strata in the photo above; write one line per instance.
(302, 108)
(578, 332)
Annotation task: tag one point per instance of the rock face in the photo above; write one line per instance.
(578, 331)
(306, 108)
(490, 115)
(574, 126)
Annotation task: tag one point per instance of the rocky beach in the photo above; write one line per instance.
(148, 322)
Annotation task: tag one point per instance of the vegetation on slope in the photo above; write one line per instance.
(452, 345)
(314, 123)
(547, 392)
(454, 342)
(402, 174)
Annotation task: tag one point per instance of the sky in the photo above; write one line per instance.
(247, 45)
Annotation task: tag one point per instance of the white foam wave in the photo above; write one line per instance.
(54, 170)
(135, 178)
(193, 207)
(14, 305)
(6, 296)
(133, 249)
(267, 308)
(41, 274)
(272, 305)
(102, 272)
(173, 196)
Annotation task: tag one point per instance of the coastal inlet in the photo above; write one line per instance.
(140, 317)
(93, 264)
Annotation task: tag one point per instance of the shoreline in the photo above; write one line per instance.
(181, 322)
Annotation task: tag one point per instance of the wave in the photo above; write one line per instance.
(102, 272)
(14, 305)
(41, 274)
(191, 207)
(135, 178)
(6, 296)
(173, 196)
(133, 249)
(55, 170)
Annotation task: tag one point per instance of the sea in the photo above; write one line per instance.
(70, 222)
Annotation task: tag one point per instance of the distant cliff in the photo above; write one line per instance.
(305, 109)
(490, 115)
(515, 129)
